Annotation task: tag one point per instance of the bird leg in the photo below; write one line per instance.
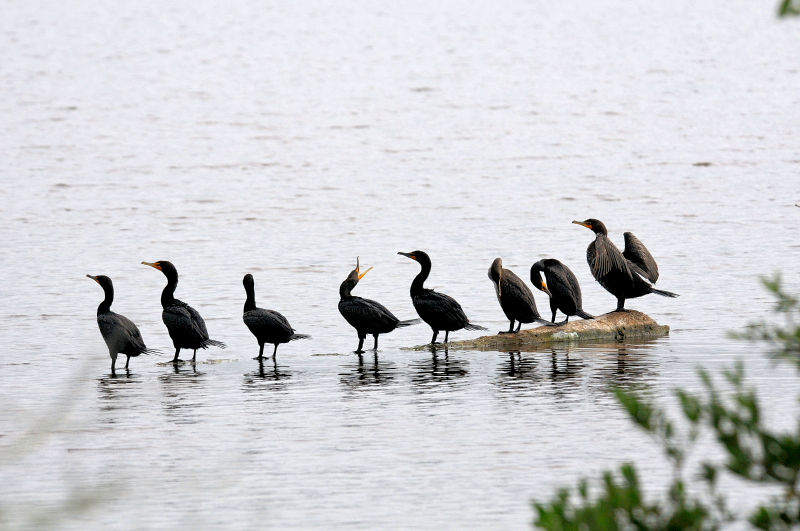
(620, 305)
(127, 361)
(177, 351)
(194, 355)
(359, 350)
(510, 328)
(376, 342)
(433, 339)
(446, 333)
(553, 320)
(260, 352)
(519, 325)
(113, 363)
(275, 351)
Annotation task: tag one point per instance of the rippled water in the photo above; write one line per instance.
(285, 139)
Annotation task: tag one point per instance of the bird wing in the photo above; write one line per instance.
(604, 257)
(269, 321)
(366, 314)
(516, 297)
(561, 282)
(440, 311)
(184, 320)
(120, 333)
(640, 257)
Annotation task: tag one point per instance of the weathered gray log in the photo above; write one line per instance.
(614, 326)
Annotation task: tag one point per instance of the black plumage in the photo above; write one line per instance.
(515, 297)
(365, 315)
(184, 324)
(561, 285)
(268, 326)
(440, 311)
(623, 274)
(119, 332)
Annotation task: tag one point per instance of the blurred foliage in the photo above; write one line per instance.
(751, 451)
(788, 8)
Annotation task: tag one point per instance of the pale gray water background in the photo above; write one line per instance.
(285, 139)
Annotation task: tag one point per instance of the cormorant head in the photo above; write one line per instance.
(496, 270)
(165, 267)
(353, 278)
(103, 280)
(594, 224)
(536, 277)
(419, 256)
(248, 282)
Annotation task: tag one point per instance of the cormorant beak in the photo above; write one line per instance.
(409, 255)
(361, 275)
(358, 269)
(544, 288)
(156, 265)
(582, 224)
(93, 278)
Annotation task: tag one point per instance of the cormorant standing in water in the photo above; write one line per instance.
(562, 287)
(623, 274)
(516, 299)
(268, 326)
(186, 328)
(119, 332)
(440, 311)
(365, 315)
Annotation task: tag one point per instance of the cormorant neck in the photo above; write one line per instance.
(419, 280)
(105, 306)
(168, 295)
(250, 302)
(344, 290)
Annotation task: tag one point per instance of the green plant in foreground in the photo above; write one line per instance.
(752, 452)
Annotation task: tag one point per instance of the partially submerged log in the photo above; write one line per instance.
(614, 326)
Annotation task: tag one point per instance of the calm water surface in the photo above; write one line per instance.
(284, 140)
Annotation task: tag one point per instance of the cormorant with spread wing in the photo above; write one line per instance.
(623, 274)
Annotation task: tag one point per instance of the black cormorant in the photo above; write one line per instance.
(623, 274)
(119, 332)
(365, 315)
(440, 311)
(562, 287)
(268, 326)
(516, 298)
(186, 328)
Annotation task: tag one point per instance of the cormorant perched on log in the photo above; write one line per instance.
(119, 332)
(440, 311)
(562, 287)
(623, 274)
(268, 326)
(365, 315)
(186, 328)
(516, 298)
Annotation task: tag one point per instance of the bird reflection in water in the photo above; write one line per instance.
(182, 389)
(439, 370)
(627, 364)
(532, 369)
(269, 375)
(368, 374)
(113, 391)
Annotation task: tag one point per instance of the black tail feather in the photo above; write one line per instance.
(213, 343)
(584, 315)
(151, 351)
(544, 322)
(295, 337)
(409, 322)
(470, 326)
(664, 293)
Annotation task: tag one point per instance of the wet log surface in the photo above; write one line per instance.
(610, 327)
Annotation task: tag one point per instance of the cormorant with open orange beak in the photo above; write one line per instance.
(623, 274)
(186, 328)
(365, 315)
